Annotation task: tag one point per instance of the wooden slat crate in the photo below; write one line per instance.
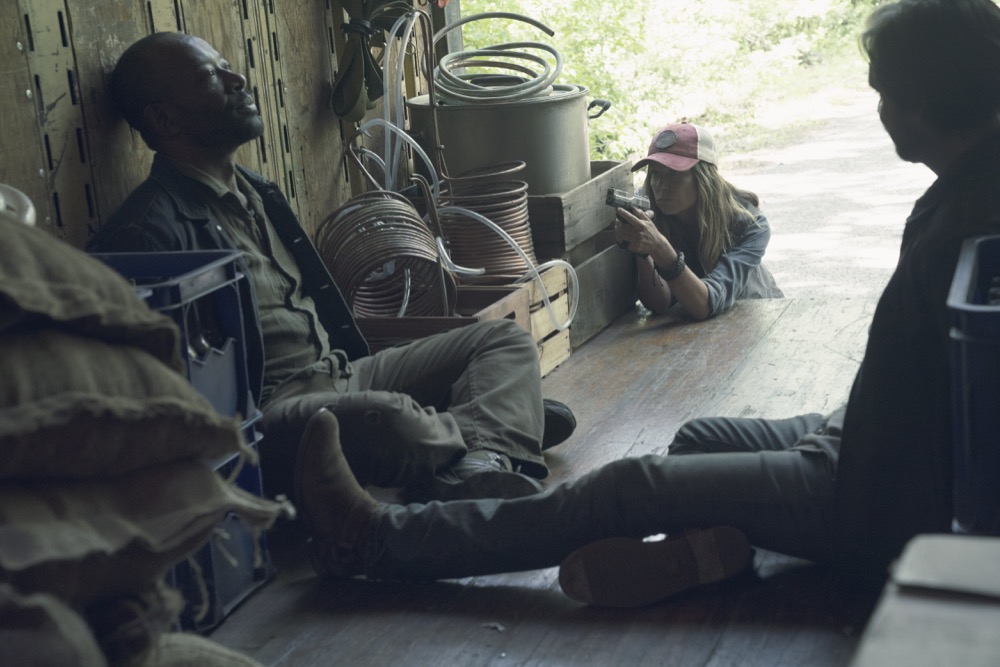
(575, 227)
(474, 304)
(607, 287)
(560, 222)
(553, 344)
(522, 303)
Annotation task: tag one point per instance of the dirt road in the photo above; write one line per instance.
(836, 198)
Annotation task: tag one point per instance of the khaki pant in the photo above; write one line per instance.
(409, 411)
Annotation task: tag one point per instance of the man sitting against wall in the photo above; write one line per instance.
(455, 415)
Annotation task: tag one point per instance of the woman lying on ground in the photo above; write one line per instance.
(702, 242)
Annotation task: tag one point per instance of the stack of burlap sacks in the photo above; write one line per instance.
(104, 480)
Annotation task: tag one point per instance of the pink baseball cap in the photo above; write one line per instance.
(679, 147)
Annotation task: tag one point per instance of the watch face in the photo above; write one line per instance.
(665, 140)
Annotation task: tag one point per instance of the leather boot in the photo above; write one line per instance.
(479, 474)
(559, 423)
(626, 572)
(337, 512)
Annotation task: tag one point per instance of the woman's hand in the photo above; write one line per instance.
(635, 231)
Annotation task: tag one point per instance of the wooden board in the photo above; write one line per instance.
(68, 202)
(547, 319)
(560, 222)
(630, 387)
(554, 281)
(22, 161)
(114, 159)
(69, 150)
(474, 304)
(312, 136)
(607, 291)
(553, 350)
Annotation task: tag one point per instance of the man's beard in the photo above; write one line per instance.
(907, 146)
(234, 133)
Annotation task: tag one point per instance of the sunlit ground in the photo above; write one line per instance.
(836, 198)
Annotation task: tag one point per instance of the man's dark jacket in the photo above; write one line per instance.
(168, 212)
(894, 477)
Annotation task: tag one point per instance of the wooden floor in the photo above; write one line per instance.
(631, 387)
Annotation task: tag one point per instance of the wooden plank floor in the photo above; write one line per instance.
(631, 387)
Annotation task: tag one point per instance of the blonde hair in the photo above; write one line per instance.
(720, 211)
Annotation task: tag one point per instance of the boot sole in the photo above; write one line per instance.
(626, 572)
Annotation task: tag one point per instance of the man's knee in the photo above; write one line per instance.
(511, 337)
(504, 329)
(690, 436)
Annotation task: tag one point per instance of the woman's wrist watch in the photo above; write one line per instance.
(675, 271)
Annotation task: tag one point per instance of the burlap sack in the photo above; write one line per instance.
(74, 407)
(45, 280)
(90, 540)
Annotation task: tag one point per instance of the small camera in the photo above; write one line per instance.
(622, 199)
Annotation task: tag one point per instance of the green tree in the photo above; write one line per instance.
(708, 61)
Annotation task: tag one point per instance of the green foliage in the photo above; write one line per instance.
(706, 61)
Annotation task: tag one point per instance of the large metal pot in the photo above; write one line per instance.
(549, 133)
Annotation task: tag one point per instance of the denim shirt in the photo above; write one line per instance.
(739, 273)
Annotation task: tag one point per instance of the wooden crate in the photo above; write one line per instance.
(473, 304)
(607, 289)
(553, 343)
(560, 222)
(606, 275)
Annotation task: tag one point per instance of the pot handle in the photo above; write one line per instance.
(603, 104)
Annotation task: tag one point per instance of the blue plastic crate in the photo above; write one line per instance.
(975, 336)
(234, 563)
(199, 290)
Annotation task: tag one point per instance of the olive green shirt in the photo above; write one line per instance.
(293, 335)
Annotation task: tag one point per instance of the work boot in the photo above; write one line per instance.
(481, 473)
(336, 511)
(559, 423)
(626, 572)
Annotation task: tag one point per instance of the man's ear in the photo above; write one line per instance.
(160, 120)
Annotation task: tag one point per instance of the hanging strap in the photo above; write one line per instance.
(359, 77)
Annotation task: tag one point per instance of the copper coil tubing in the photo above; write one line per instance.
(494, 193)
(384, 258)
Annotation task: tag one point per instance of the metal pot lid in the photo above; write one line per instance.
(556, 93)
